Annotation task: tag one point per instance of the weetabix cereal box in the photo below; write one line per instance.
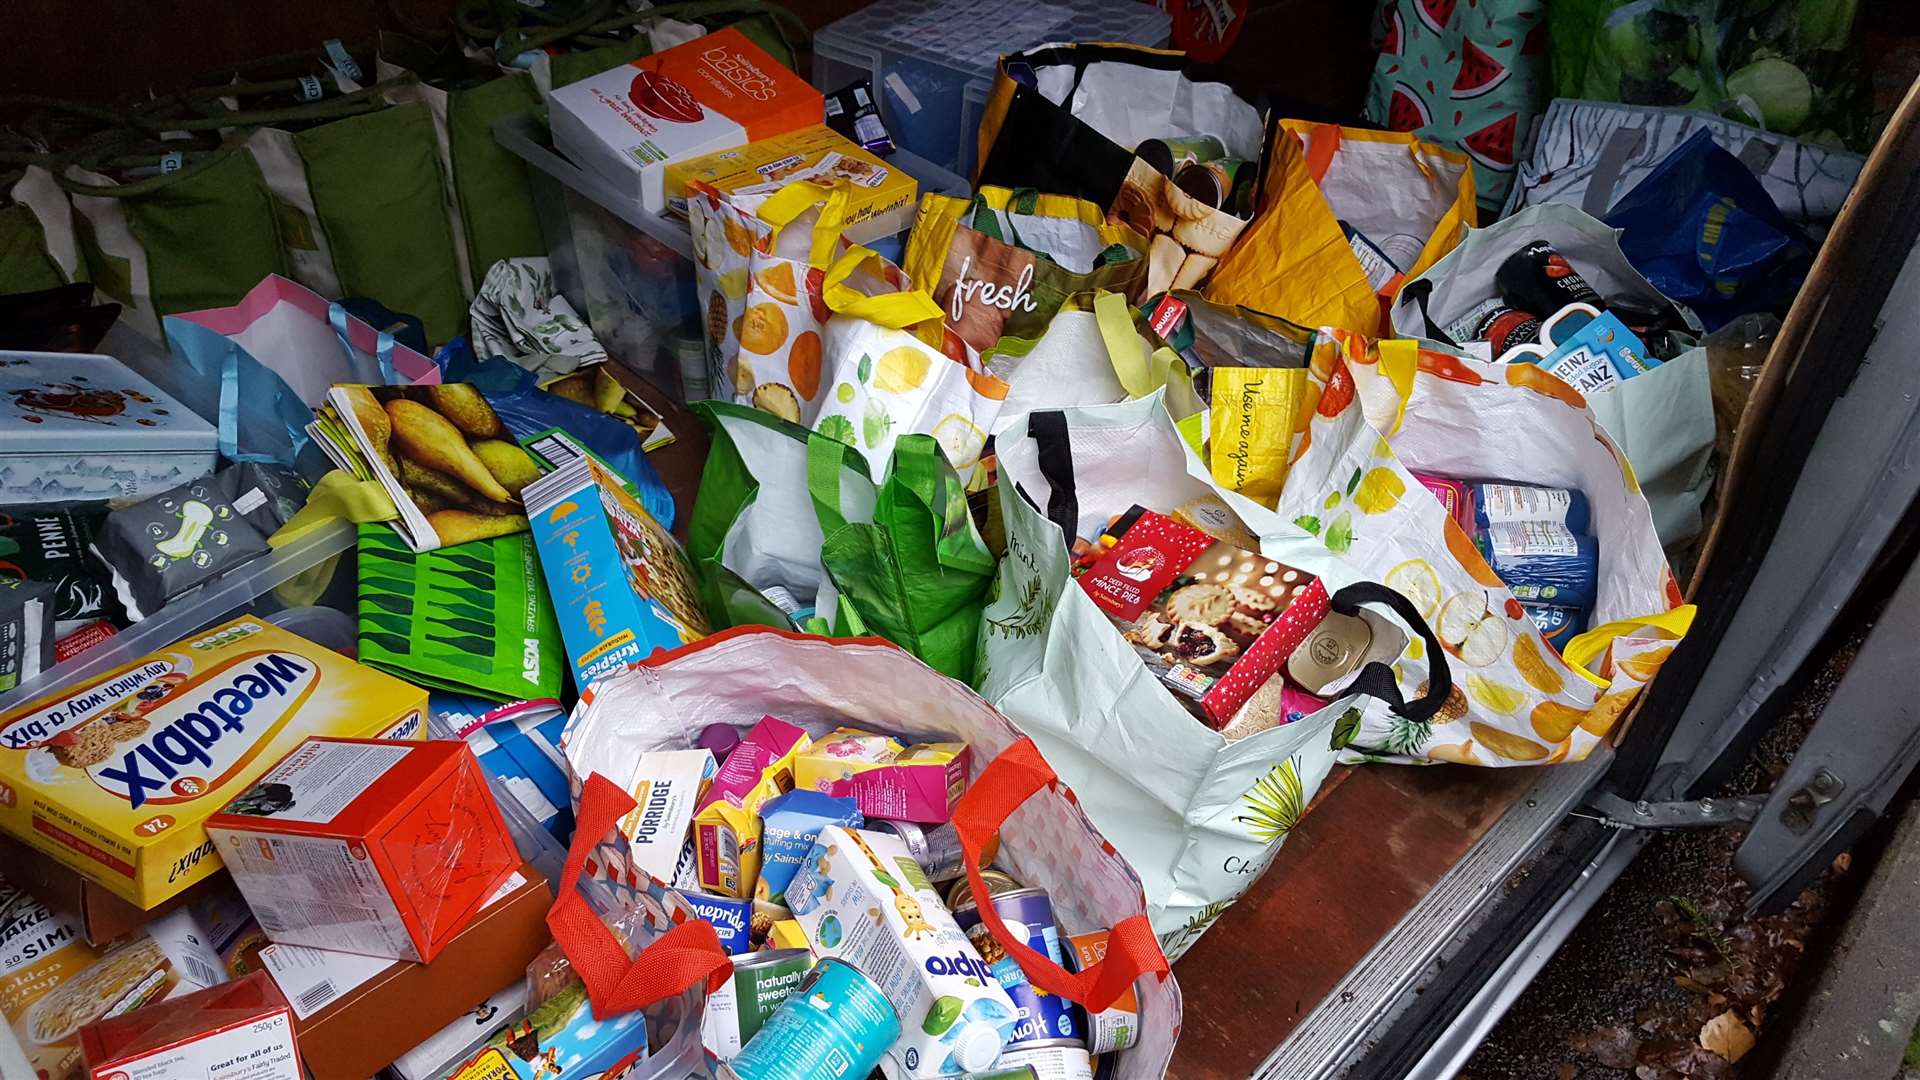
(116, 776)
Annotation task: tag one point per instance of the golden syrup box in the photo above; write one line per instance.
(882, 196)
(115, 777)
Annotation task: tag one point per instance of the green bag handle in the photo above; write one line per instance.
(921, 467)
(825, 458)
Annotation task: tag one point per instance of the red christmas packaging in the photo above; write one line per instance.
(370, 846)
(240, 1030)
(1213, 621)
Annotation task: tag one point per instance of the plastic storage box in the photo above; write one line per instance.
(932, 62)
(629, 272)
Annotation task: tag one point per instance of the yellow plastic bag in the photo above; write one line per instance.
(1406, 203)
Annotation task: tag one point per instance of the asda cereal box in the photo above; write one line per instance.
(114, 777)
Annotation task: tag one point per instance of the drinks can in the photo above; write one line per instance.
(937, 849)
(835, 1024)
(760, 983)
(1059, 1061)
(1118, 1026)
(996, 882)
(1028, 914)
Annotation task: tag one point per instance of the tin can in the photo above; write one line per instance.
(937, 850)
(1118, 1026)
(1331, 651)
(835, 1023)
(995, 881)
(760, 983)
(1059, 1061)
(1208, 181)
(1028, 913)
(1167, 155)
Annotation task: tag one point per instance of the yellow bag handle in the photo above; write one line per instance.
(1585, 648)
(891, 310)
(1141, 371)
(1399, 362)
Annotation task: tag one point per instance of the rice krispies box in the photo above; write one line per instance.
(117, 776)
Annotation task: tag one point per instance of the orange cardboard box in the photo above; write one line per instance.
(709, 94)
(367, 845)
(242, 1028)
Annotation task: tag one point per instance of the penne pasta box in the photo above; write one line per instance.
(116, 777)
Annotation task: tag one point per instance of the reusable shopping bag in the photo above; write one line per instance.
(1661, 419)
(1468, 76)
(770, 269)
(38, 249)
(1345, 216)
(1388, 409)
(262, 365)
(1068, 119)
(145, 241)
(1046, 839)
(887, 384)
(1199, 817)
(1589, 153)
(1706, 234)
(1003, 261)
(781, 508)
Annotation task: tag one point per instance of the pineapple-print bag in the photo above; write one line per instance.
(1386, 409)
(1046, 839)
(1199, 816)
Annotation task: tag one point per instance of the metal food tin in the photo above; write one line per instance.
(1043, 1018)
(835, 1023)
(760, 984)
(995, 881)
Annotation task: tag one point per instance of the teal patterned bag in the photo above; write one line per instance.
(1465, 75)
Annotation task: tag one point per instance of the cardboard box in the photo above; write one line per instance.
(52, 982)
(713, 92)
(369, 846)
(115, 777)
(242, 1029)
(355, 1014)
(883, 199)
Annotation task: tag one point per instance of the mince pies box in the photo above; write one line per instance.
(354, 1014)
(1211, 620)
(367, 846)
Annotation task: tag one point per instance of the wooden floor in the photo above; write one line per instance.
(1362, 857)
(1375, 840)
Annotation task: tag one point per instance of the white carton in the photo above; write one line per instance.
(861, 897)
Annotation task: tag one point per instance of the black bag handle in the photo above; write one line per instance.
(1376, 679)
(1048, 430)
(1420, 291)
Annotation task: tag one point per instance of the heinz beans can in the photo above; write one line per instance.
(1027, 913)
(836, 1024)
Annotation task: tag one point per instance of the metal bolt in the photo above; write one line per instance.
(1825, 783)
(1531, 803)
(1643, 808)
(1706, 808)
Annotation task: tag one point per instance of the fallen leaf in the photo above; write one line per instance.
(1727, 1036)
(1611, 1045)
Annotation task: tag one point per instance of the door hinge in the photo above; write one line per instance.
(1614, 812)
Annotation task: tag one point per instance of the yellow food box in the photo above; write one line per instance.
(116, 776)
(884, 196)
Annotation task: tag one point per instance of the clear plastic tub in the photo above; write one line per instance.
(932, 62)
(630, 272)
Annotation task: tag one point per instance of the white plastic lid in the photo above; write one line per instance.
(977, 1047)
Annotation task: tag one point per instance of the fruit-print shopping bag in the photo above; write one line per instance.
(770, 269)
(1467, 76)
(1384, 408)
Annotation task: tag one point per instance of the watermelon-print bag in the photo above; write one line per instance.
(1386, 409)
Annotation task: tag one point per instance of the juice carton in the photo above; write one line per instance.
(714, 92)
(115, 777)
(620, 583)
(367, 846)
(862, 898)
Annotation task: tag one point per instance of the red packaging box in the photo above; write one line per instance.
(1211, 620)
(242, 1029)
(370, 846)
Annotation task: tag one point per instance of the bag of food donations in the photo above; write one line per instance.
(1137, 133)
(1045, 842)
(1345, 215)
(1661, 419)
(788, 527)
(1544, 528)
(1198, 807)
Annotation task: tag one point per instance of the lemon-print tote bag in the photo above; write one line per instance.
(1387, 409)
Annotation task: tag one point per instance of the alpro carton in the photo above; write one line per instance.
(117, 776)
(711, 93)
